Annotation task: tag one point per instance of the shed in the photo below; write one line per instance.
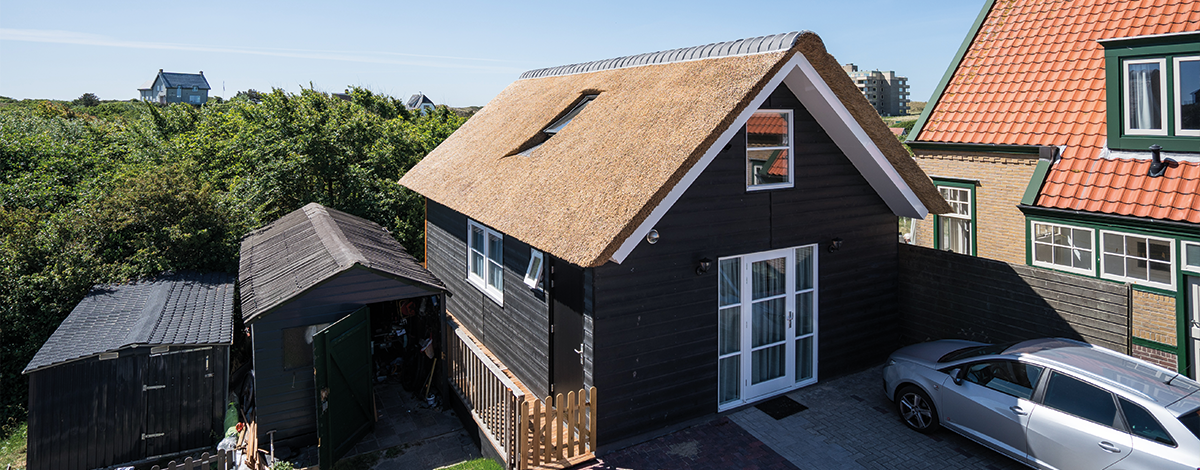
(136, 371)
(309, 276)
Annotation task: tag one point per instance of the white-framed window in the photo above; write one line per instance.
(485, 260)
(178, 92)
(956, 229)
(1145, 97)
(769, 149)
(1064, 247)
(1187, 96)
(1139, 259)
(533, 272)
(1191, 256)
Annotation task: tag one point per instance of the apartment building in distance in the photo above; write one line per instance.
(886, 91)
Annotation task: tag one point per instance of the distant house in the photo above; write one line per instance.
(1041, 134)
(171, 87)
(420, 102)
(668, 228)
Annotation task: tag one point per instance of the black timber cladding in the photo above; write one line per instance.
(655, 325)
(171, 334)
(518, 332)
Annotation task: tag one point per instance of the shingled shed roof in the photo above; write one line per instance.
(180, 309)
(312, 244)
(657, 120)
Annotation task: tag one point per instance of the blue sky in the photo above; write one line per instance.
(459, 53)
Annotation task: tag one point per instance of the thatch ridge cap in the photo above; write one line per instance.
(745, 46)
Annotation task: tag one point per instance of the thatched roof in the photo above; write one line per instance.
(657, 119)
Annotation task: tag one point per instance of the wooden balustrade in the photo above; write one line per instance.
(490, 395)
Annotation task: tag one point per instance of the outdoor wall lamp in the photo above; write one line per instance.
(835, 244)
(702, 268)
(652, 237)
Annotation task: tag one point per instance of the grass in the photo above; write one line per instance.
(12, 448)
(477, 464)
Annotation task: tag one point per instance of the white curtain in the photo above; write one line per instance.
(1145, 104)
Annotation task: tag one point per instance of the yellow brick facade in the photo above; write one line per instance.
(1154, 317)
(1000, 226)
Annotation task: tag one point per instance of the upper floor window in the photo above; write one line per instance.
(1187, 89)
(769, 150)
(485, 260)
(1063, 247)
(955, 231)
(1138, 259)
(1145, 97)
(1153, 85)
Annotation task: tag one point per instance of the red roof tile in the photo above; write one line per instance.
(1034, 75)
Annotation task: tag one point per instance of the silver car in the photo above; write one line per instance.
(1050, 403)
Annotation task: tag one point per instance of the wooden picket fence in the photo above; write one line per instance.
(222, 459)
(558, 432)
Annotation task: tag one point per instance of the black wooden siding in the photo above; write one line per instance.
(517, 333)
(92, 413)
(286, 399)
(655, 325)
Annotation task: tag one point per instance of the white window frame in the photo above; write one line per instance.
(179, 92)
(1132, 280)
(1183, 262)
(1046, 264)
(477, 279)
(1179, 130)
(970, 217)
(533, 272)
(1162, 91)
(791, 154)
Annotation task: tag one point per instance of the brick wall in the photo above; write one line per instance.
(1154, 317)
(1154, 356)
(1000, 230)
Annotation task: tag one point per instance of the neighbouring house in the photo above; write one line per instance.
(887, 92)
(687, 231)
(1040, 136)
(325, 294)
(135, 372)
(420, 102)
(173, 87)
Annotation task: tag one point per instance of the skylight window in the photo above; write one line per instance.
(563, 121)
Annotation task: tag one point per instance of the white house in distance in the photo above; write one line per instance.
(172, 87)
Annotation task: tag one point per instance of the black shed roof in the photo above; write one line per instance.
(312, 244)
(178, 309)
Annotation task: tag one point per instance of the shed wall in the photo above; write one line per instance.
(285, 398)
(655, 325)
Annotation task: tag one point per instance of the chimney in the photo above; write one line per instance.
(159, 70)
(201, 72)
(1158, 165)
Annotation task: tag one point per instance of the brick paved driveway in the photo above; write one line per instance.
(848, 425)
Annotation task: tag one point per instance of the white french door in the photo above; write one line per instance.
(767, 321)
(1194, 323)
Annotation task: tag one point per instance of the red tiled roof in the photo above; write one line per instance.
(766, 123)
(1034, 75)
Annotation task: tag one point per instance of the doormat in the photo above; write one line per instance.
(780, 407)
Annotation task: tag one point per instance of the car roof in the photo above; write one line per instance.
(1168, 389)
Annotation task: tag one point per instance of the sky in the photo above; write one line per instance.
(459, 53)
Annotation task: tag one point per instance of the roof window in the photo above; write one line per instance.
(557, 125)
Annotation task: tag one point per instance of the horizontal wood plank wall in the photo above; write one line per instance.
(948, 295)
(286, 400)
(655, 327)
(518, 332)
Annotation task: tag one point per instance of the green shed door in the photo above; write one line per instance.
(345, 400)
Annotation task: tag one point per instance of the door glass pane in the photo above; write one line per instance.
(730, 283)
(804, 313)
(729, 333)
(729, 377)
(768, 278)
(804, 358)
(1145, 100)
(804, 268)
(769, 321)
(768, 363)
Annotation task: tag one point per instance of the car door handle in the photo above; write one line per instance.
(1018, 410)
(1109, 447)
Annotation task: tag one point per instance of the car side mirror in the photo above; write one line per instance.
(958, 375)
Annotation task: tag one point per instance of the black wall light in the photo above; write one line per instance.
(703, 267)
(835, 244)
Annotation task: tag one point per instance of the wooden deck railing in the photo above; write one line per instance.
(490, 395)
(223, 460)
(559, 434)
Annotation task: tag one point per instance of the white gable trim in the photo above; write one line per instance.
(804, 81)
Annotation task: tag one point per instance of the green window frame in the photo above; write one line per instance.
(956, 231)
(1158, 70)
(1063, 247)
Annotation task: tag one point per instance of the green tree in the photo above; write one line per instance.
(86, 100)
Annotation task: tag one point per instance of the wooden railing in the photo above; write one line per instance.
(222, 459)
(559, 434)
(490, 395)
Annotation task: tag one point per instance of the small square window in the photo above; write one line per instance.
(533, 273)
(769, 150)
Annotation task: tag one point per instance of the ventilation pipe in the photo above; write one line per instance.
(1158, 165)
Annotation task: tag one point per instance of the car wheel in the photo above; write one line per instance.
(916, 409)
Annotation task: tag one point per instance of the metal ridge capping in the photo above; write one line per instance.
(755, 45)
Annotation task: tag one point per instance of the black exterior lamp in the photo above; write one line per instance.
(835, 244)
(703, 267)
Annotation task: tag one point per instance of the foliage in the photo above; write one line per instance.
(125, 190)
(282, 465)
(477, 464)
(12, 447)
(86, 100)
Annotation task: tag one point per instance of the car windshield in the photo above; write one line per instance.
(1191, 420)
(975, 351)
